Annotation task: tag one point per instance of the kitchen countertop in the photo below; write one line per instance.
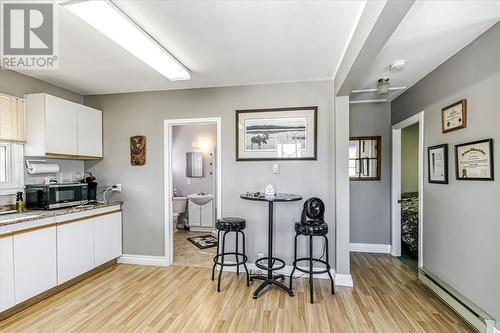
(31, 215)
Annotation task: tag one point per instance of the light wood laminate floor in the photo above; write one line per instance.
(187, 254)
(126, 298)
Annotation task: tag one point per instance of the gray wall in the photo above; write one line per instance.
(183, 137)
(461, 221)
(371, 200)
(409, 159)
(143, 192)
(16, 84)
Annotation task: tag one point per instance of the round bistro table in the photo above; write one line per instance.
(271, 263)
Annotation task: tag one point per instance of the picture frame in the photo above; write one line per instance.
(454, 116)
(277, 134)
(474, 160)
(437, 163)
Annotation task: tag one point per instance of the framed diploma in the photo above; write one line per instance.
(474, 160)
(437, 160)
(454, 116)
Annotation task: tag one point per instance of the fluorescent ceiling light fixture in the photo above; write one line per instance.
(106, 17)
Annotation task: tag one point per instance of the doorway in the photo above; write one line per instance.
(192, 190)
(407, 187)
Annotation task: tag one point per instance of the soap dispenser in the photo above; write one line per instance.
(19, 202)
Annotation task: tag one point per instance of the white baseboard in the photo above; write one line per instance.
(370, 248)
(343, 280)
(496, 330)
(142, 260)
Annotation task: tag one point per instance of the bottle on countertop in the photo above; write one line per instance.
(19, 202)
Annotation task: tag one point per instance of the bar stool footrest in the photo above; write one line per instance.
(241, 258)
(326, 270)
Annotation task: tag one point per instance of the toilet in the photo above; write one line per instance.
(179, 207)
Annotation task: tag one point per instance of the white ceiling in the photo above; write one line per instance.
(430, 33)
(223, 43)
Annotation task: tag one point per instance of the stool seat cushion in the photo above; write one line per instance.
(311, 229)
(231, 224)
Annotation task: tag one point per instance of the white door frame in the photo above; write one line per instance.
(168, 182)
(396, 185)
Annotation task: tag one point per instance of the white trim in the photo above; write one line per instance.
(343, 280)
(496, 330)
(142, 260)
(396, 185)
(168, 182)
(370, 248)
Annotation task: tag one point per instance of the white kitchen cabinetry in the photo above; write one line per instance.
(35, 262)
(89, 131)
(108, 237)
(59, 128)
(75, 249)
(201, 215)
(7, 298)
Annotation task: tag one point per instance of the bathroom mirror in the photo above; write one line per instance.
(194, 165)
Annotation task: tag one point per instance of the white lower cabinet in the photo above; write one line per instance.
(75, 249)
(194, 215)
(201, 215)
(35, 269)
(7, 298)
(108, 237)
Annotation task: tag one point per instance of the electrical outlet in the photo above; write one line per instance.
(276, 168)
(117, 188)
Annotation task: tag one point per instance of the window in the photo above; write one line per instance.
(364, 158)
(12, 137)
(11, 168)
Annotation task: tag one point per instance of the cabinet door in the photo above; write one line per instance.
(108, 237)
(75, 249)
(206, 215)
(194, 215)
(7, 299)
(60, 126)
(89, 131)
(34, 263)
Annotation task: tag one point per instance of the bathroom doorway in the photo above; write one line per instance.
(192, 190)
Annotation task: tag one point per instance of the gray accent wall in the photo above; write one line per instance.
(183, 137)
(143, 187)
(461, 221)
(370, 201)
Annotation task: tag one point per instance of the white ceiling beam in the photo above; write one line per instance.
(377, 23)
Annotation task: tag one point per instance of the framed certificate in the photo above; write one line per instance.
(454, 116)
(474, 160)
(437, 160)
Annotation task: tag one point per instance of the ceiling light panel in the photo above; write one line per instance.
(113, 23)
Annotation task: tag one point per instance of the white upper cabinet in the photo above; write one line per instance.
(89, 131)
(59, 128)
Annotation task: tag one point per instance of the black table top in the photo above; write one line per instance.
(278, 197)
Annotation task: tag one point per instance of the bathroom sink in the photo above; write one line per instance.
(200, 199)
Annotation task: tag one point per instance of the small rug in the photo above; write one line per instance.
(203, 242)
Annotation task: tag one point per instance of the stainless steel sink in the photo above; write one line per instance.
(200, 199)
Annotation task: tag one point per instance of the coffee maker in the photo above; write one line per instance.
(92, 186)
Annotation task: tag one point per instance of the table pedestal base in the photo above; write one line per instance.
(269, 281)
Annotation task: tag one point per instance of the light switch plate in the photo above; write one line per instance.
(188, 181)
(276, 168)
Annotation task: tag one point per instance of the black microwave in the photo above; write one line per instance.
(52, 196)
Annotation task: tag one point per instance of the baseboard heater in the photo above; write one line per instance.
(470, 312)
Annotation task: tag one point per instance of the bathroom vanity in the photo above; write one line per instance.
(201, 212)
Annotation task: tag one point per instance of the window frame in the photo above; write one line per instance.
(360, 159)
(14, 167)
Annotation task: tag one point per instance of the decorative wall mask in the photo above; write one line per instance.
(138, 150)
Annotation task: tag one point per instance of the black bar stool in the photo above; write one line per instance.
(225, 226)
(312, 224)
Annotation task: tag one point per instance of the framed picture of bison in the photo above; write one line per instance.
(276, 134)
